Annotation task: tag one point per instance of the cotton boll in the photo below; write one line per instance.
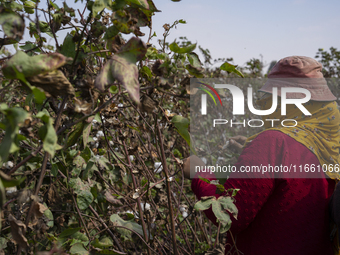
(8, 165)
(94, 123)
(74, 146)
(120, 105)
(146, 207)
(132, 158)
(182, 208)
(64, 106)
(95, 142)
(11, 190)
(204, 160)
(100, 133)
(184, 214)
(158, 167)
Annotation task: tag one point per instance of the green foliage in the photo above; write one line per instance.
(182, 125)
(219, 207)
(47, 133)
(13, 118)
(181, 50)
(330, 62)
(230, 69)
(123, 68)
(32, 65)
(101, 180)
(130, 224)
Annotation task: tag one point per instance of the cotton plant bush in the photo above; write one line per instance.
(93, 130)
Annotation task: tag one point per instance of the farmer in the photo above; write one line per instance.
(285, 213)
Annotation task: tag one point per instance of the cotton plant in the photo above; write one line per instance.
(95, 142)
(100, 134)
(8, 165)
(184, 210)
(158, 167)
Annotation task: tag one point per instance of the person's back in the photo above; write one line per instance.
(286, 174)
(278, 214)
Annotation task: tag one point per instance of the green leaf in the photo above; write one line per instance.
(13, 118)
(88, 170)
(123, 68)
(13, 6)
(100, 5)
(228, 204)
(50, 140)
(146, 70)
(69, 232)
(39, 95)
(84, 199)
(105, 77)
(54, 170)
(86, 133)
(79, 237)
(221, 216)
(113, 89)
(29, 46)
(130, 224)
(204, 204)
(48, 214)
(69, 49)
(12, 25)
(79, 161)
(29, 7)
(140, 3)
(43, 26)
(235, 192)
(86, 154)
(182, 125)
(3, 243)
(231, 69)
(186, 49)
(194, 60)
(78, 249)
(8, 182)
(111, 32)
(196, 71)
(104, 242)
(204, 179)
(76, 133)
(31, 66)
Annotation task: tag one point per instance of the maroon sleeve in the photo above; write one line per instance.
(266, 148)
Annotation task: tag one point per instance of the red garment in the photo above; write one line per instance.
(278, 215)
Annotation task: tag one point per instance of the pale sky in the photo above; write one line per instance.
(244, 29)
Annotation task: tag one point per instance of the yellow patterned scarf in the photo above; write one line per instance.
(319, 132)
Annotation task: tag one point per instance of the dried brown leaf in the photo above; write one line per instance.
(53, 83)
(17, 230)
(111, 199)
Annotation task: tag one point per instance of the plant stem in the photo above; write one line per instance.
(81, 217)
(108, 230)
(168, 188)
(141, 216)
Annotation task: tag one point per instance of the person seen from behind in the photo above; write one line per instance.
(284, 213)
